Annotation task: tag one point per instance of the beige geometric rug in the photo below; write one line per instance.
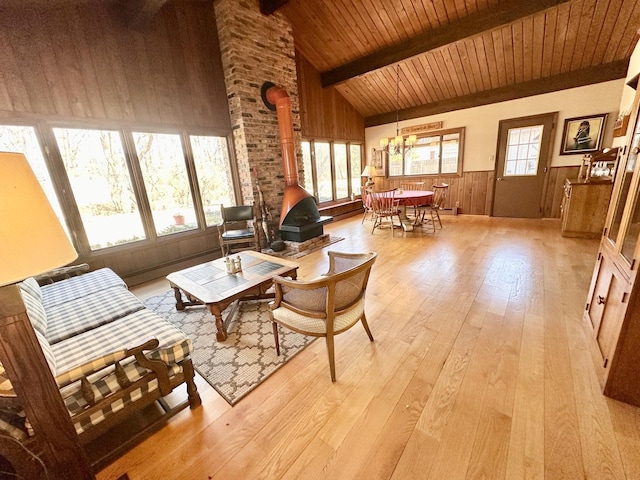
(246, 358)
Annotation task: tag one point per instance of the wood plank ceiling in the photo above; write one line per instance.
(423, 57)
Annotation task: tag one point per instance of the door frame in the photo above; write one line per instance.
(547, 164)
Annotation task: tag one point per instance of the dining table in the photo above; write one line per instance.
(411, 198)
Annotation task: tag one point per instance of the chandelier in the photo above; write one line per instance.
(394, 145)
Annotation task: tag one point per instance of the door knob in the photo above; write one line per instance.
(499, 179)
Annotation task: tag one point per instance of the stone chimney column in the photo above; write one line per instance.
(255, 49)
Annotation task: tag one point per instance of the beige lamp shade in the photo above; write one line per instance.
(369, 171)
(32, 241)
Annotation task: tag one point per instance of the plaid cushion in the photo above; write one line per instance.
(80, 354)
(48, 353)
(31, 285)
(12, 422)
(75, 287)
(33, 302)
(105, 385)
(86, 313)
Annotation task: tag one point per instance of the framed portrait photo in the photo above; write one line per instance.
(582, 134)
(379, 159)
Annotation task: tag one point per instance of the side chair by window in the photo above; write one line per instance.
(238, 231)
(326, 306)
(385, 207)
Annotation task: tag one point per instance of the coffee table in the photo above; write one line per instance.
(209, 284)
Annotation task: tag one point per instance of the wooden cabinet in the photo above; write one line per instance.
(612, 312)
(584, 207)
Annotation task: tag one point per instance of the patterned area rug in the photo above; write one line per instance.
(248, 356)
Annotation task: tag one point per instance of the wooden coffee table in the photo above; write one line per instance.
(209, 284)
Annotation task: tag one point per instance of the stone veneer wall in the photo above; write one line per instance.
(255, 49)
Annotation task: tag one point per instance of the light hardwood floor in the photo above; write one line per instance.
(480, 369)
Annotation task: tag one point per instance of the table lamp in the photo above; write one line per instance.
(32, 241)
(369, 171)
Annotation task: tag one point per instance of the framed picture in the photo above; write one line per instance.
(582, 134)
(379, 160)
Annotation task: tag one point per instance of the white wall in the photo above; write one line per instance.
(481, 123)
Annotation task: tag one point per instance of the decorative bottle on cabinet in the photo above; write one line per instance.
(612, 311)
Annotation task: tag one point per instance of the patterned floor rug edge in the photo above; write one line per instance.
(238, 365)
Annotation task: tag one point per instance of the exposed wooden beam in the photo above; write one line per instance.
(579, 78)
(474, 24)
(139, 13)
(267, 7)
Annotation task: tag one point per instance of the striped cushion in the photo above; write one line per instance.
(33, 303)
(86, 313)
(72, 355)
(104, 386)
(76, 287)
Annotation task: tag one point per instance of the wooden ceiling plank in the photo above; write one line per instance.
(417, 83)
(466, 67)
(461, 8)
(439, 70)
(410, 14)
(490, 52)
(620, 26)
(587, 76)
(518, 51)
(430, 11)
(606, 29)
(483, 62)
(472, 55)
(431, 78)
(140, 13)
(625, 49)
(593, 34)
(586, 16)
(384, 25)
(344, 38)
(508, 54)
(498, 51)
(457, 59)
(562, 25)
(433, 39)
(538, 45)
(527, 48)
(451, 78)
(550, 18)
(445, 15)
(571, 37)
(471, 6)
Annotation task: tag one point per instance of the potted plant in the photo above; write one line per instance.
(178, 218)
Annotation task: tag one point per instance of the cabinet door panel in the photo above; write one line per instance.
(600, 293)
(609, 330)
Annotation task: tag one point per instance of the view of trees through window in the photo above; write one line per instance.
(337, 172)
(105, 198)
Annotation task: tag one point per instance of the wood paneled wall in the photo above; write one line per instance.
(474, 190)
(324, 113)
(82, 62)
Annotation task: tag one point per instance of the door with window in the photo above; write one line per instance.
(523, 153)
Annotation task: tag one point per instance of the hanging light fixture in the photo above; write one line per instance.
(394, 145)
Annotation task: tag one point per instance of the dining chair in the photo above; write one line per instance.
(366, 203)
(413, 210)
(237, 230)
(385, 206)
(325, 306)
(433, 209)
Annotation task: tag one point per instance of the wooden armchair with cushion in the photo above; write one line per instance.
(238, 231)
(327, 305)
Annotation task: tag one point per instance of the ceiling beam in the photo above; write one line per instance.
(267, 7)
(139, 13)
(468, 26)
(578, 78)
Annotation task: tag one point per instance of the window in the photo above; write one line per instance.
(433, 154)
(523, 151)
(99, 177)
(338, 166)
(214, 178)
(104, 192)
(166, 181)
(355, 154)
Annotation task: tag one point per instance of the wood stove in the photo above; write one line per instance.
(300, 219)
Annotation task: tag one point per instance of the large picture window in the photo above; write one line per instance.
(437, 153)
(117, 186)
(332, 169)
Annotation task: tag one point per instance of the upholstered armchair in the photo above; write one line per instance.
(327, 305)
(238, 231)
